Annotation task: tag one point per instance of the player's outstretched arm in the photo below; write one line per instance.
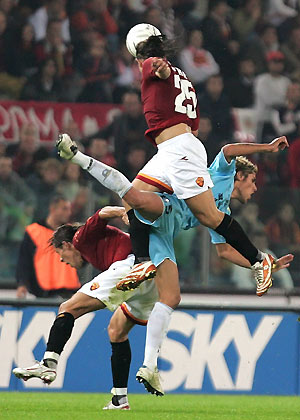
(241, 149)
(228, 253)
(110, 212)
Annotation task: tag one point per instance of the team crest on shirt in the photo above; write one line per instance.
(200, 181)
(95, 286)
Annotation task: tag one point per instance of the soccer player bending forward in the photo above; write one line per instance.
(108, 249)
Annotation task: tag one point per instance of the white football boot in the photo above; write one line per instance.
(38, 370)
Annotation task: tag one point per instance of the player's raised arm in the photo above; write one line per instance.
(241, 149)
(161, 67)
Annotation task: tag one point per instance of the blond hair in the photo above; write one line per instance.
(245, 166)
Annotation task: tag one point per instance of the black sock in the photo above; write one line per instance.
(139, 235)
(60, 332)
(120, 363)
(237, 238)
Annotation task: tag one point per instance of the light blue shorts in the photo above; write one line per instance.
(176, 216)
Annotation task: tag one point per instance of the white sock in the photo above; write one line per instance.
(52, 359)
(157, 328)
(119, 391)
(106, 175)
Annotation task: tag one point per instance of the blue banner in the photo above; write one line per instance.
(205, 352)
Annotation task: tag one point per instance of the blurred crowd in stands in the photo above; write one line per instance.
(243, 57)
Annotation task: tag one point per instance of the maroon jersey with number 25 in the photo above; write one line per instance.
(167, 102)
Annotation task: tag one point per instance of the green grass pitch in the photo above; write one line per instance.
(75, 406)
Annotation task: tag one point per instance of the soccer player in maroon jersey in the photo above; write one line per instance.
(109, 250)
(180, 165)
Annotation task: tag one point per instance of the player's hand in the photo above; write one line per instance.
(161, 67)
(109, 212)
(277, 144)
(21, 292)
(283, 262)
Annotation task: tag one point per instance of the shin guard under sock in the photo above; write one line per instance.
(120, 363)
(60, 332)
(139, 235)
(237, 238)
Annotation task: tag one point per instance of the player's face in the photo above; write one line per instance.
(247, 187)
(69, 255)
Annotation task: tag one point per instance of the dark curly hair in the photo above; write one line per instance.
(64, 233)
(155, 46)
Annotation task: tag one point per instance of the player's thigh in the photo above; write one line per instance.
(167, 283)
(147, 203)
(204, 209)
(119, 327)
(80, 304)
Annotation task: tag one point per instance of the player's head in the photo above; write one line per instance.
(244, 181)
(145, 40)
(62, 242)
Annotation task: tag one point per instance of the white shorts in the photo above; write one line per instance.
(179, 166)
(136, 304)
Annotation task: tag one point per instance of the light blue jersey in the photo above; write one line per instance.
(177, 215)
(222, 174)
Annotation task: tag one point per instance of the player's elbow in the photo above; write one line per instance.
(222, 251)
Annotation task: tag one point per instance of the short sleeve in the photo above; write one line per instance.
(94, 228)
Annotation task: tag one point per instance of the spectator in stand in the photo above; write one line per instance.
(46, 85)
(205, 134)
(18, 199)
(284, 234)
(257, 48)
(291, 51)
(39, 270)
(52, 9)
(215, 103)
(278, 11)
(197, 63)
(99, 149)
(72, 179)
(240, 89)
(270, 92)
(127, 129)
(21, 59)
(10, 86)
(53, 46)
(135, 161)
(95, 15)
(129, 75)
(98, 71)
(249, 219)
(286, 118)
(269, 172)
(45, 184)
(293, 160)
(124, 15)
(219, 37)
(245, 19)
(27, 154)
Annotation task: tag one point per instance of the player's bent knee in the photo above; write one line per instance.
(116, 335)
(172, 301)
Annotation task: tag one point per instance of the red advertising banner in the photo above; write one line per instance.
(50, 118)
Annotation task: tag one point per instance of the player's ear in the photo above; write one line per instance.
(239, 176)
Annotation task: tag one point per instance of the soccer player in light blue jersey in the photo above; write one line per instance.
(168, 214)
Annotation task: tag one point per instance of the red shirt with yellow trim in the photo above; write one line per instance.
(100, 244)
(167, 102)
